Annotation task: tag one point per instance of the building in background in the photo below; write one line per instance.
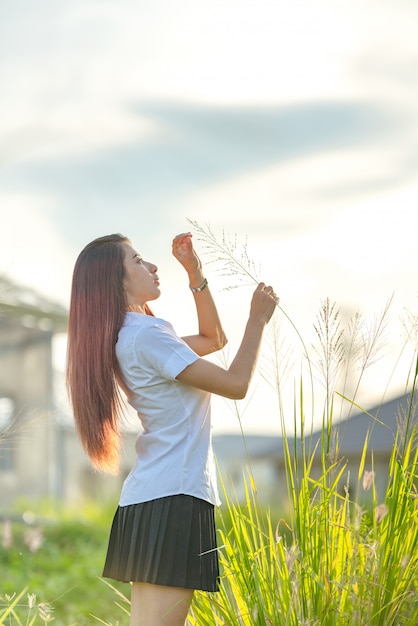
(40, 454)
(28, 441)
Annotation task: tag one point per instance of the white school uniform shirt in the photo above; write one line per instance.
(174, 452)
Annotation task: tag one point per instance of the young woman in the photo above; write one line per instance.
(163, 535)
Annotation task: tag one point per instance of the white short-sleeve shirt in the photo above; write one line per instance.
(174, 452)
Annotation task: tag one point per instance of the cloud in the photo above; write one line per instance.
(192, 145)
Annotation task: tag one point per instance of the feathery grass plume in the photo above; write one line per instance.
(342, 351)
(235, 261)
(331, 360)
(15, 430)
(276, 361)
(374, 337)
(331, 353)
(410, 323)
(363, 346)
(233, 258)
(353, 348)
(339, 350)
(368, 479)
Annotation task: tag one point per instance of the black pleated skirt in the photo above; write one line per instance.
(168, 541)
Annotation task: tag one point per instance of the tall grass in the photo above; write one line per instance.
(330, 562)
(336, 565)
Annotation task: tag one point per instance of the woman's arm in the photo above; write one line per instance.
(234, 382)
(211, 336)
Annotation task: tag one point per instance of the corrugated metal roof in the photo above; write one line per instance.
(25, 303)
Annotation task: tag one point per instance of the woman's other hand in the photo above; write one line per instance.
(263, 303)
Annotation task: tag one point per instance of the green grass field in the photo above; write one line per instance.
(58, 557)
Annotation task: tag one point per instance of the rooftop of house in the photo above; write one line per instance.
(29, 306)
(381, 423)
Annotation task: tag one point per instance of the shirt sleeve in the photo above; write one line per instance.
(160, 347)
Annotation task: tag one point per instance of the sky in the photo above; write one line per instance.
(290, 128)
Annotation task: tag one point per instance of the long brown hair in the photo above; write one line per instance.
(97, 311)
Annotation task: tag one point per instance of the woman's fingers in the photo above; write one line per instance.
(269, 290)
(182, 237)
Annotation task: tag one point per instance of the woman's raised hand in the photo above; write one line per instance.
(263, 303)
(185, 254)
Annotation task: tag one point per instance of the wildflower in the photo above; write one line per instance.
(45, 611)
(381, 511)
(368, 479)
(31, 600)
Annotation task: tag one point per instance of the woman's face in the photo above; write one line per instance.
(140, 282)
